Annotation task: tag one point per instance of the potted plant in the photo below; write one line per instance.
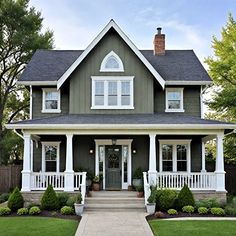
(137, 177)
(151, 203)
(79, 207)
(130, 188)
(140, 191)
(96, 183)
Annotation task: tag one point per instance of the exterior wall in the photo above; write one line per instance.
(192, 104)
(37, 96)
(80, 80)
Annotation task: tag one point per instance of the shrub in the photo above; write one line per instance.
(159, 214)
(230, 210)
(152, 197)
(202, 210)
(31, 204)
(166, 199)
(139, 188)
(217, 211)
(70, 202)
(22, 211)
(5, 211)
(188, 209)
(67, 210)
(62, 199)
(185, 198)
(49, 200)
(34, 210)
(172, 212)
(138, 174)
(78, 198)
(208, 203)
(4, 197)
(15, 200)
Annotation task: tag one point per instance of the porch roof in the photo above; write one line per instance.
(160, 120)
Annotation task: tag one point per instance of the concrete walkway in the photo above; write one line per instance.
(113, 224)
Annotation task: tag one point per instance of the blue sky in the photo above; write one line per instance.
(188, 24)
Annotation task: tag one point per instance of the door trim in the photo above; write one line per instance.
(122, 142)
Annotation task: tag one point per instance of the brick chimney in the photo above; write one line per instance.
(159, 43)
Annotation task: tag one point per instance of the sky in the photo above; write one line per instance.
(188, 24)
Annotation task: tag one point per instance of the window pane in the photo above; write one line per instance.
(166, 152)
(174, 95)
(181, 152)
(50, 153)
(125, 88)
(173, 104)
(112, 88)
(99, 88)
(167, 166)
(112, 100)
(125, 100)
(112, 63)
(51, 104)
(51, 95)
(181, 165)
(51, 166)
(99, 100)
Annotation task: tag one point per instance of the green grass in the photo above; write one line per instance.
(37, 226)
(193, 228)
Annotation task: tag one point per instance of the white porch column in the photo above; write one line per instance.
(26, 164)
(69, 172)
(219, 171)
(152, 160)
(203, 158)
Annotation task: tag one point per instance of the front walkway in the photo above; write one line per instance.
(114, 223)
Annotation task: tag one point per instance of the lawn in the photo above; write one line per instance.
(36, 226)
(193, 227)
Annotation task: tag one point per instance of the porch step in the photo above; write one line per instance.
(123, 201)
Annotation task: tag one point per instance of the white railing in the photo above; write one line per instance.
(40, 180)
(146, 185)
(80, 183)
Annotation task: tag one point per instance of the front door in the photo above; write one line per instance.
(113, 166)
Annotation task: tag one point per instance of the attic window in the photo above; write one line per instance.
(112, 63)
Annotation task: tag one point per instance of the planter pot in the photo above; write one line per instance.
(140, 194)
(96, 186)
(130, 188)
(137, 182)
(79, 208)
(151, 208)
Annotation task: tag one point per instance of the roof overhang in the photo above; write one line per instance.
(179, 82)
(37, 83)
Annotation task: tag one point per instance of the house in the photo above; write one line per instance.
(112, 108)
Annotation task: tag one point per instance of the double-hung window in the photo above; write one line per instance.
(51, 101)
(174, 100)
(112, 92)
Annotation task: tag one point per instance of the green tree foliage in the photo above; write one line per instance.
(15, 200)
(185, 198)
(222, 69)
(49, 200)
(20, 36)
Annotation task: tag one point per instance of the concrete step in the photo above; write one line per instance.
(114, 194)
(110, 200)
(114, 210)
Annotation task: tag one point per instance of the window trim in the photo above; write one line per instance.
(57, 144)
(112, 78)
(44, 110)
(105, 59)
(174, 143)
(181, 90)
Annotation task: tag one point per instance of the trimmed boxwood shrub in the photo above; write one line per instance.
(188, 209)
(172, 212)
(217, 211)
(165, 199)
(22, 211)
(5, 211)
(15, 200)
(34, 210)
(208, 203)
(70, 202)
(49, 200)
(185, 198)
(4, 197)
(230, 210)
(62, 199)
(67, 210)
(202, 210)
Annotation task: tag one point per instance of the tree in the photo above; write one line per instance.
(222, 69)
(20, 36)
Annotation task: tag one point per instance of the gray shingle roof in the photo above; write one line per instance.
(157, 118)
(176, 65)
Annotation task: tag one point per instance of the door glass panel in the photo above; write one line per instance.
(181, 157)
(125, 162)
(101, 154)
(113, 158)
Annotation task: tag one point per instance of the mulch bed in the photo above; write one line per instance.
(181, 214)
(52, 214)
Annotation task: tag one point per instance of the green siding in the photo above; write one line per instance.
(80, 80)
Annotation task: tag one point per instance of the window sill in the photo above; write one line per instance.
(51, 111)
(112, 108)
(174, 110)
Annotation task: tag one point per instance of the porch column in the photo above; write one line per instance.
(203, 158)
(69, 172)
(152, 160)
(219, 170)
(26, 164)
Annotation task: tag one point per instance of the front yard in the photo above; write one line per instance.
(193, 227)
(37, 226)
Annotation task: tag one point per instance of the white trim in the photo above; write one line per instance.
(57, 144)
(37, 83)
(110, 25)
(31, 103)
(119, 61)
(121, 142)
(117, 79)
(201, 102)
(181, 90)
(44, 110)
(174, 143)
(181, 82)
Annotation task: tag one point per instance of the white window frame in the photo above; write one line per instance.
(119, 61)
(44, 110)
(181, 90)
(174, 143)
(57, 144)
(113, 78)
